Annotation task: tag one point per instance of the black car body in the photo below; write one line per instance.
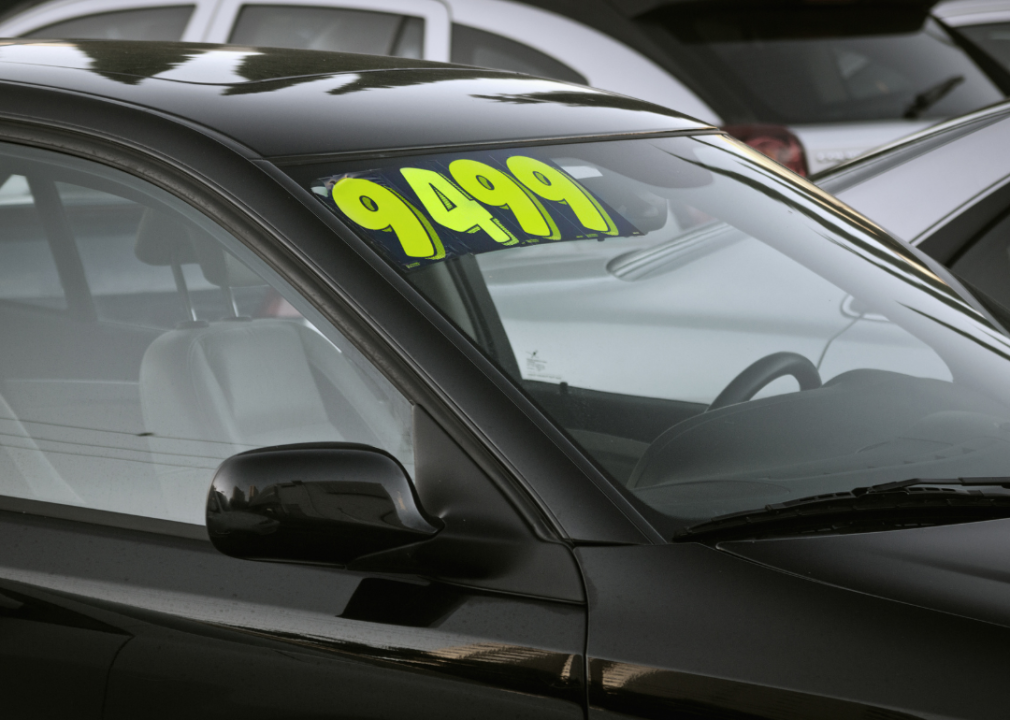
(541, 585)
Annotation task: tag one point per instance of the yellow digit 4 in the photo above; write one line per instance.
(495, 188)
(450, 206)
(375, 207)
(552, 184)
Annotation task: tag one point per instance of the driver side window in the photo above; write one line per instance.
(143, 345)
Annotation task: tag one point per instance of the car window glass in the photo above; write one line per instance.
(650, 294)
(124, 288)
(28, 272)
(333, 29)
(911, 198)
(993, 38)
(166, 23)
(830, 62)
(471, 46)
(180, 349)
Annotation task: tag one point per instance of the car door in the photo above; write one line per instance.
(403, 28)
(143, 344)
(114, 20)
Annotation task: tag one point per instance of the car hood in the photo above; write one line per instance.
(960, 569)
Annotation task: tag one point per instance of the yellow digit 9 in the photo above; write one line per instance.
(552, 184)
(375, 207)
(495, 188)
(450, 206)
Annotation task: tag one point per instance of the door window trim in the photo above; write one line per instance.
(50, 14)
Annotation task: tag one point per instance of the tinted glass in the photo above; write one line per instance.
(994, 39)
(28, 272)
(333, 29)
(179, 349)
(471, 46)
(626, 285)
(168, 23)
(820, 64)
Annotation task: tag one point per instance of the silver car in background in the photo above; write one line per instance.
(947, 192)
(809, 84)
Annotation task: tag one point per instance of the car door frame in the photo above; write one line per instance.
(434, 13)
(51, 13)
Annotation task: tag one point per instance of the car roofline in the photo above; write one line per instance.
(307, 158)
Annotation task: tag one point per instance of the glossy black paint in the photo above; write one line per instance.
(166, 627)
(484, 543)
(328, 503)
(295, 103)
(959, 569)
(690, 631)
(496, 624)
(46, 637)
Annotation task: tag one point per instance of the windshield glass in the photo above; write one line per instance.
(820, 63)
(717, 334)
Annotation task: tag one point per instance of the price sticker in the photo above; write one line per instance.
(429, 209)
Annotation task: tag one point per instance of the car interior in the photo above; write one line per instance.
(139, 353)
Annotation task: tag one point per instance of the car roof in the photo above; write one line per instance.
(290, 103)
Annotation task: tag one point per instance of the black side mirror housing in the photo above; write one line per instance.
(325, 503)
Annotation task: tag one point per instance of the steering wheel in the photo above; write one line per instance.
(679, 446)
(757, 375)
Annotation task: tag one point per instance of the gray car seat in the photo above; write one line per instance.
(212, 389)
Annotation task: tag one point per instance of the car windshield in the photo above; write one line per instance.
(824, 63)
(717, 334)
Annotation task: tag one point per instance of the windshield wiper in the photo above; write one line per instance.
(889, 506)
(930, 97)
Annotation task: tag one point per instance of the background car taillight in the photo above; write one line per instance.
(775, 141)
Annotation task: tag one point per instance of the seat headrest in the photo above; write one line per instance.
(162, 240)
(222, 268)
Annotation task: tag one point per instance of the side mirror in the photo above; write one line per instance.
(327, 503)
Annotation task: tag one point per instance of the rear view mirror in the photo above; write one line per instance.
(327, 503)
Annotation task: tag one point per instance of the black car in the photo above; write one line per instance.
(344, 386)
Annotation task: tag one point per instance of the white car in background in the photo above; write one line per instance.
(808, 83)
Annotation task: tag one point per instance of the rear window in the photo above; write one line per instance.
(820, 63)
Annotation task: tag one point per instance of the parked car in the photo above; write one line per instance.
(983, 23)
(459, 506)
(808, 83)
(946, 191)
